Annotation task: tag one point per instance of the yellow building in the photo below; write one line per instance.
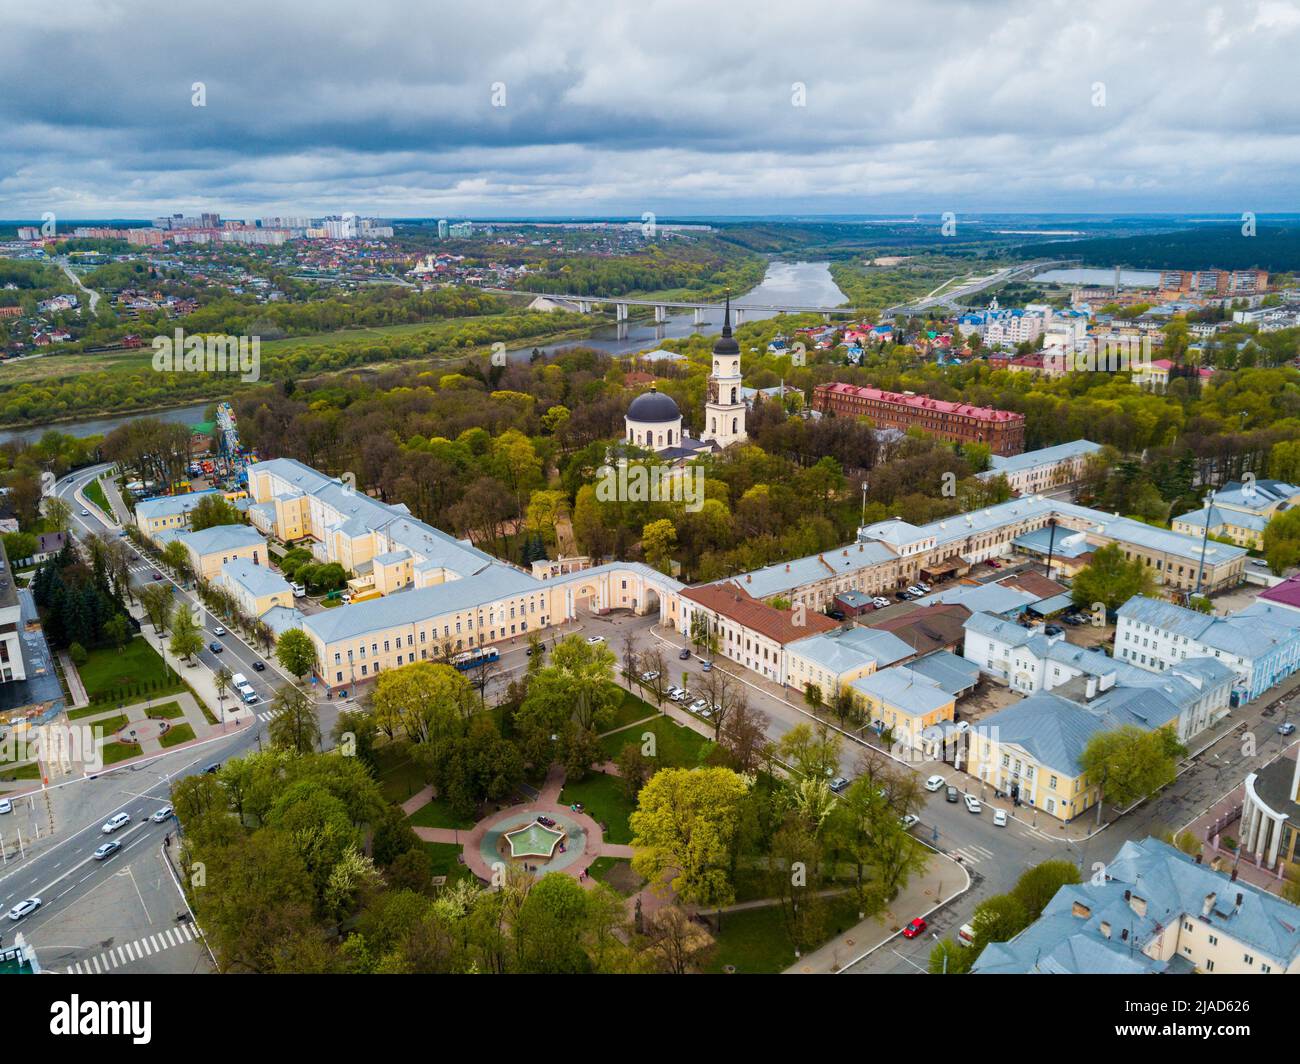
(905, 702)
(167, 514)
(255, 588)
(211, 548)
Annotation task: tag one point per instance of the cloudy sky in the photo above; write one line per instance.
(672, 106)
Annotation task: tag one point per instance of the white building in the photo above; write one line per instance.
(724, 413)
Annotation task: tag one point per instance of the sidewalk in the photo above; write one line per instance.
(76, 689)
(921, 897)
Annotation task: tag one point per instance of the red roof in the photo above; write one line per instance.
(921, 402)
(1287, 593)
(730, 600)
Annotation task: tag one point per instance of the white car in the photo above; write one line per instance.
(914, 590)
(649, 676)
(120, 820)
(934, 783)
(218, 630)
(839, 784)
(699, 704)
(909, 821)
(973, 804)
(24, 908)
(107, 850)
(162, 814)
(682, 696)
(923, 586)
(592, 640)
(6, 806)
(880, 603)
(1000, 817)
(85, 513)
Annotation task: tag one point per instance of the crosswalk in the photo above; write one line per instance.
(141, 568)
(141, 948)
(972, 854)
(265, 715)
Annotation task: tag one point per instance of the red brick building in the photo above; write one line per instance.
(1001, 430)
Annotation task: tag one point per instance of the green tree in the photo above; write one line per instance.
(296, 652)
(683, 829)
(187, 636)
(294, 725)
(1130, 763)
(658, 539)
(577, 684)
(1039, 885)
(213, 510)
(1111, 579)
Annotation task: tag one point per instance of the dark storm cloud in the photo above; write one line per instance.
(672, 106)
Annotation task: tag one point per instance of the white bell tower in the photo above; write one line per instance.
(724, 411)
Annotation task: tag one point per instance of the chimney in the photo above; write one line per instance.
(1108, 681)
(1240, 898)
(1105, 928)
(1091, 688)
(787, 567)
(749, 578)
(1208, 905)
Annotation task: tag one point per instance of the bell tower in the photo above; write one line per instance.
(724, 411)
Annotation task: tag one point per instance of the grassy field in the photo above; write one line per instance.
(114, 752)
(442, 857)
(630, 710)
(29, 771)
(95, 493)
(111, 725)
(617, 872)
(181, 733)
(438, 814)
(755, 940)
(604, 800)
(676, 746)
(399, 776)
(167, 711)
(135, 667)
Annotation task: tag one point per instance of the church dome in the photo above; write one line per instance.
(652, 408)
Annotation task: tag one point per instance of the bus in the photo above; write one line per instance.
(473, 659)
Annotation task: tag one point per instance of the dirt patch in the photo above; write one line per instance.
(987, 698)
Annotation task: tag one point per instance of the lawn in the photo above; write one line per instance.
(111, 725)
(755, 940)
(29, 771)
(114, 752)
(167, 711)
(676, 746)
(617, 872)
(442, 859)
(95, 493)
(399, 776)
(630, 710)
(135, 671)
(604, 800)
(181, 733)
(438, 814)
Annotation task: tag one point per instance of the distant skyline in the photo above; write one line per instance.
(681, 109)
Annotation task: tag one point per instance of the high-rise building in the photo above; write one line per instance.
(442, 229)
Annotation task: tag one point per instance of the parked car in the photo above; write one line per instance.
(6, 806)
(648, 676)
(994, 564)
(699, 705)
(673, 690)
(973, 804)
(1000, 818)
(592, 640)
(934, 783)
(910, 821)
(835, 615)
(24, 908)
(915, 928)
(162, 814)
(965, 935)
(212, 767)
(1285, 728)
(708, 667)
(113, 823)
(684, 654)
(1054, 629)
(107, 850)
(839, 784)
(901, 596)
(923, 586)
(880, 603)
(952, 795)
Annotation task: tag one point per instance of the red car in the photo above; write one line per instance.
(915, 927)
(994, 565)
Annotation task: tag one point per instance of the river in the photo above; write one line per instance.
(798, 283)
